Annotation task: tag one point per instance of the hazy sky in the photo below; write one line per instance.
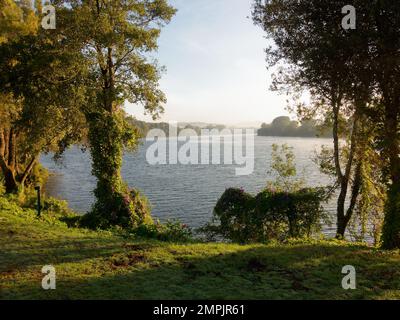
(216, 70)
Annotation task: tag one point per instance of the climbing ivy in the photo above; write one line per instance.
(109, 135)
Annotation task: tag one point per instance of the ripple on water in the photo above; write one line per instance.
(183, 192)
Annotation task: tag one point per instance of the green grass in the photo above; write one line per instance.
(102, 265)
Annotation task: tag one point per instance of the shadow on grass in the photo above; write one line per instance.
(47, 252)
(287, 272)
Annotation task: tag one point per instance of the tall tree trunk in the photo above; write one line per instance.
(113, 203)
(391, 226)
(389, 84)
(343, 216)
(10, 180)
(8, 162)
(8, 159)
(344, 219)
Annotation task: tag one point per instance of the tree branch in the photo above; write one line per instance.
(355, 191)
(335, 106)
(12, 149)
(2, 144)
(28, 170)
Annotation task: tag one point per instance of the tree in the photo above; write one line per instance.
(40, 98)
(329, 63)
(385, 34)
(17, 19)
(116, 38)
(283, 167)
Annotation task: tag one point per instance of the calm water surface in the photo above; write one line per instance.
(185, 192)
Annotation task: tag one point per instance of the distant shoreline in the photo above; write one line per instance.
(292, 136)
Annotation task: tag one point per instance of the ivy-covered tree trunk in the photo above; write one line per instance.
(389, 84)
(115, 39)
(391, 226)
(115, 203)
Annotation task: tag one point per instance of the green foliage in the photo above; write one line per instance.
(127, 209)
(17, 20)
(391, 226)
(41, 95)
(116, 204)
(54, 211)
(234, 218)
(283, 168)
(38, 177)
(2, 187)
(300, 212)
(284, 127)
(56, 205)
(352, 77)
(285, 209)
(171, 231)
(369, 210)
(26, 195)
(270, 215)
(114, 39)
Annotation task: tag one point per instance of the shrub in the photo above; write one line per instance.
(59, 209)
(171, 231)
(233, 218)
(56, 205)
(54, 211)
(126, 210)
(299, 212)
(242, 218)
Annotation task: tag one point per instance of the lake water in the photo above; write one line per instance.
(185, 192)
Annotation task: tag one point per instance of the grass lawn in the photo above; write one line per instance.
(100, 265)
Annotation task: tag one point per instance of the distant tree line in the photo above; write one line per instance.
(145, 127)
(284, 127)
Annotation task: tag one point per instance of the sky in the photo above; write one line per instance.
(216, 69)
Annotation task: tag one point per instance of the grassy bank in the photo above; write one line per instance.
(101, 265)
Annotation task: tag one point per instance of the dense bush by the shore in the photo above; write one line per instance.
(271, 215)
